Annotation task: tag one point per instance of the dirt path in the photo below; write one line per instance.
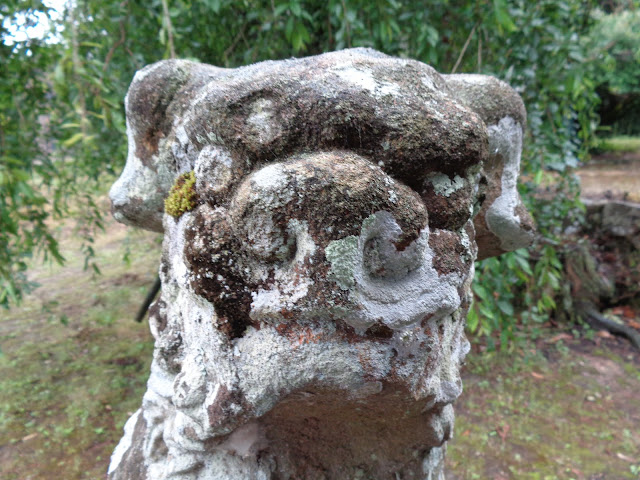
(612, 176)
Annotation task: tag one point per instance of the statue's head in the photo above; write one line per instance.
(327, 244)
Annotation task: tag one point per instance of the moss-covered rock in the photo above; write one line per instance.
(182, 196)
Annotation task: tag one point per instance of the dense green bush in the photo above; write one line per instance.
(614, 43)
(614, 46)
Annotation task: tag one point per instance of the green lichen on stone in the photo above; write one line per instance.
(342, 255)
(368, 222)
(182, 196)
(443, 185)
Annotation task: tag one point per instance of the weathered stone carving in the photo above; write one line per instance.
(316, 277)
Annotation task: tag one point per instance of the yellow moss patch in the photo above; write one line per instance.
(182, 196)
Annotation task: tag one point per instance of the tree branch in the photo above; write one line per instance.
(464, 49)
(597, 320)
(167, 20)
(120, 41)
(234, 43)
(346, 23)
(77, 67)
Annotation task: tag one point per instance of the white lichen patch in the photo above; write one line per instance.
(181, 134)
(142, 73)
(263, 238)
(429, 361)
(289, 285)
(433, 463)
(213, 170)
(261, 122)
(427, 81)
(473, 78)
(271, 178)
(364, 79)
(467, 256)
(174, 247)
(305, 246)
(288, 288)
(448, 350)
(183, 152)
(190, 384)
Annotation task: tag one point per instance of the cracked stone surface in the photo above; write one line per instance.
(311, 319)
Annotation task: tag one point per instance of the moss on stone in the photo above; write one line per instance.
(182, 196)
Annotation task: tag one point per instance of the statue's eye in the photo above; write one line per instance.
(382, 259)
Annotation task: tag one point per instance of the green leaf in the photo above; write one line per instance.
(300, 37)
(505, 307)
(280, 9)
(481, 291)
(524, 264)
(288, 30)
(502, 16)
(73, 140)
(295, 8)
(472, 320)
(213, 5)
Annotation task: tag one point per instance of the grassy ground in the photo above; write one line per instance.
(569, 411)
(566, 408)
(66, 390)
(620, 143)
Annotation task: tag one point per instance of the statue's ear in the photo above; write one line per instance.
(148, 103)
(503, 223)
(138, 195)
